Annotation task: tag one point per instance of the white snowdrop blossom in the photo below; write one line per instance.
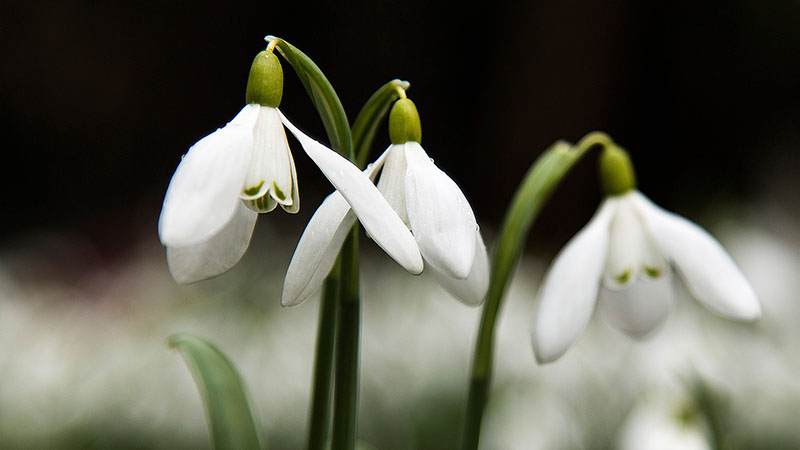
(672, 423)
(427, 201)
(622, 260)
(246, 167)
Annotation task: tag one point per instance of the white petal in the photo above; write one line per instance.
(204, 192)
(372, 168)
(316, 252)
(639, 308)
(216, 255)
(471, 290)
(631, 252)
(708, 270)
(321, 242)
(393, 180)
(270, 165)
(375, 214)
(440, 216)
(569, 290)
(294, 206)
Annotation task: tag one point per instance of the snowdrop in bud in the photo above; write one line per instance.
(622, 260)
(246, 168)
(425, 199)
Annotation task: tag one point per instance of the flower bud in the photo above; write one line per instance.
(265, 83)
(404, 125)
(616, 171)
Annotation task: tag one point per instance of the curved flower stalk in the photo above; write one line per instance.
(622, 260)
(426, 200)
(246, 168)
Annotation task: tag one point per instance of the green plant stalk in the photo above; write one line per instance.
(538, 185)
(345, 398)
(370, 116)
(345, 406)
(322, 95)
(320, 416)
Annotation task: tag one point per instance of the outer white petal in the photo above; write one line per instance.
(639, 308)
(440, 216)
(708, 270)
(322, 239)
(216, 255)
(569, 290)
(471, 290)
(204, 192)
(393, 181)
(378, 218)
(316, 252)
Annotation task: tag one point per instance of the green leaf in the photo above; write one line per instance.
(369, 119)
(325, 100)
(228, 414)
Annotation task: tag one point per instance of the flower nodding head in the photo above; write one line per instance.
(616, 171)
(404, 124)
(265, 83)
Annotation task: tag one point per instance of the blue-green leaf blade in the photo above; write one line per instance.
(228, 414)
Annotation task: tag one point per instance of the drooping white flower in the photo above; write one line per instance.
(622, 260)
(427, 201)
(671, 423)
(229, 176)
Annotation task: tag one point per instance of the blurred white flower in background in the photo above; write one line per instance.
(669, 423)
(627, 248)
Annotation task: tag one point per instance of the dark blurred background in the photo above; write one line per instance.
(98, 100)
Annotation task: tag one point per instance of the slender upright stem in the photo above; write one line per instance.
(320, 418)
(345, 405)
(534, 192)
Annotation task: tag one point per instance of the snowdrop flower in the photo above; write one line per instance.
(672, 423)
(621, 259)
(246, 168)
(427, 201)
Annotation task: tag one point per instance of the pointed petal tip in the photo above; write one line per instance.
(291, 300)
(546, 355)
(748, 310)
(414, 265)
(707, 269)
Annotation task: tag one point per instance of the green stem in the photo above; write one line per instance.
(345, 406)
(539, 183)
(322, 95)
(320, 419)
(370, 116)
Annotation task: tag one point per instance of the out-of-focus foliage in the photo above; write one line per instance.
(86, 365)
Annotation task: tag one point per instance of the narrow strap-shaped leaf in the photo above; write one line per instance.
(538, 185)
(370, 116)
(230, 419)
(325, 100)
